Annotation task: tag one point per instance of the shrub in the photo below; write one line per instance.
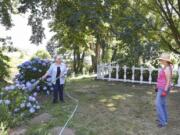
(16, 103)
(43, 54)
(30, 71)
(4, 66)
(175, 77)
(19, 100)
(5, 116)
(3, 129)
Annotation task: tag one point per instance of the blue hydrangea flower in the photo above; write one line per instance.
(29, 67)
(35, 94)
(32, 110)
(22, 105)
(48, 92)
(44, 88)
(17, 75)
(49, 84)
(38, 107)
(28, 104)
(18, 85)
(6, 88)
(1, 101)
(23, 81)
(40, 62)
(34, 69)
(40, 70)
(27, 63)
(33, 80)
(16, 110)
(32, 99)
(29, 85)
(7, 102)
(49, 79)
(12, 87)
(9, 88)
(44, 64)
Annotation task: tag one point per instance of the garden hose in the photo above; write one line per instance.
(73, 112)
(69, 96)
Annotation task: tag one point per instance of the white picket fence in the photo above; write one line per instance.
(104, 72)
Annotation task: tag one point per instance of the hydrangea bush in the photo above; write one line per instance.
(15, 103)
(20, 99)
(30, 71)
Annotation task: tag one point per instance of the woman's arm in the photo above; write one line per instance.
(64, 71)
(48, 72)
(45, 75)
(168, 78)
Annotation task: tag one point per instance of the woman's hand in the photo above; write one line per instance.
(156, 89)
(44, 76)
(164, 93)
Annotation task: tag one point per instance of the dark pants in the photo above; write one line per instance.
(58, 92)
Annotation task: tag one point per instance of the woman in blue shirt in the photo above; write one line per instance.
(57, 72)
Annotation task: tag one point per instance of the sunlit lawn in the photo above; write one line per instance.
(108, 108)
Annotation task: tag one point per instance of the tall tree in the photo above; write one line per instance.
(168, 28)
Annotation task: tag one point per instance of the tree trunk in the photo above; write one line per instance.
(93, 58)
(82, 62)
(74, 61)
(114, 54)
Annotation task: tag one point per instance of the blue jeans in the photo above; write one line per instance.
(161, 107)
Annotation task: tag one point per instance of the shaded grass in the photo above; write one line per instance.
(59, 111)
(109, 108)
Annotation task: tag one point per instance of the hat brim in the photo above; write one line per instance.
(165, 60)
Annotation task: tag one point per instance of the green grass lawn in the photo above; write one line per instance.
(109, 108)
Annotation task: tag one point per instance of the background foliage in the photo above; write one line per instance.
(131, 32)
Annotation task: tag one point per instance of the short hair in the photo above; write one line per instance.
(57, 56)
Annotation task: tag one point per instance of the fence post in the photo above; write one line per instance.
(178, 83)
(117, 71)
(125, 69)
(150, 75)
(98, 73)
(101, 70)
(133, 69)
(141, 76)
(109, 71)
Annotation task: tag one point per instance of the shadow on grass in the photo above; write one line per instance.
(111, 102)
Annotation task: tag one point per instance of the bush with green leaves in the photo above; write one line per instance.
(4, 66)
(16, 103)
(19, 100)
(43, 54)
(3, 129)
(32, 70)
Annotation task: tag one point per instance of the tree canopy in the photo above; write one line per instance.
(130, 32)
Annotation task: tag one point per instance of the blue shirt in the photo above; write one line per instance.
(52, 71)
